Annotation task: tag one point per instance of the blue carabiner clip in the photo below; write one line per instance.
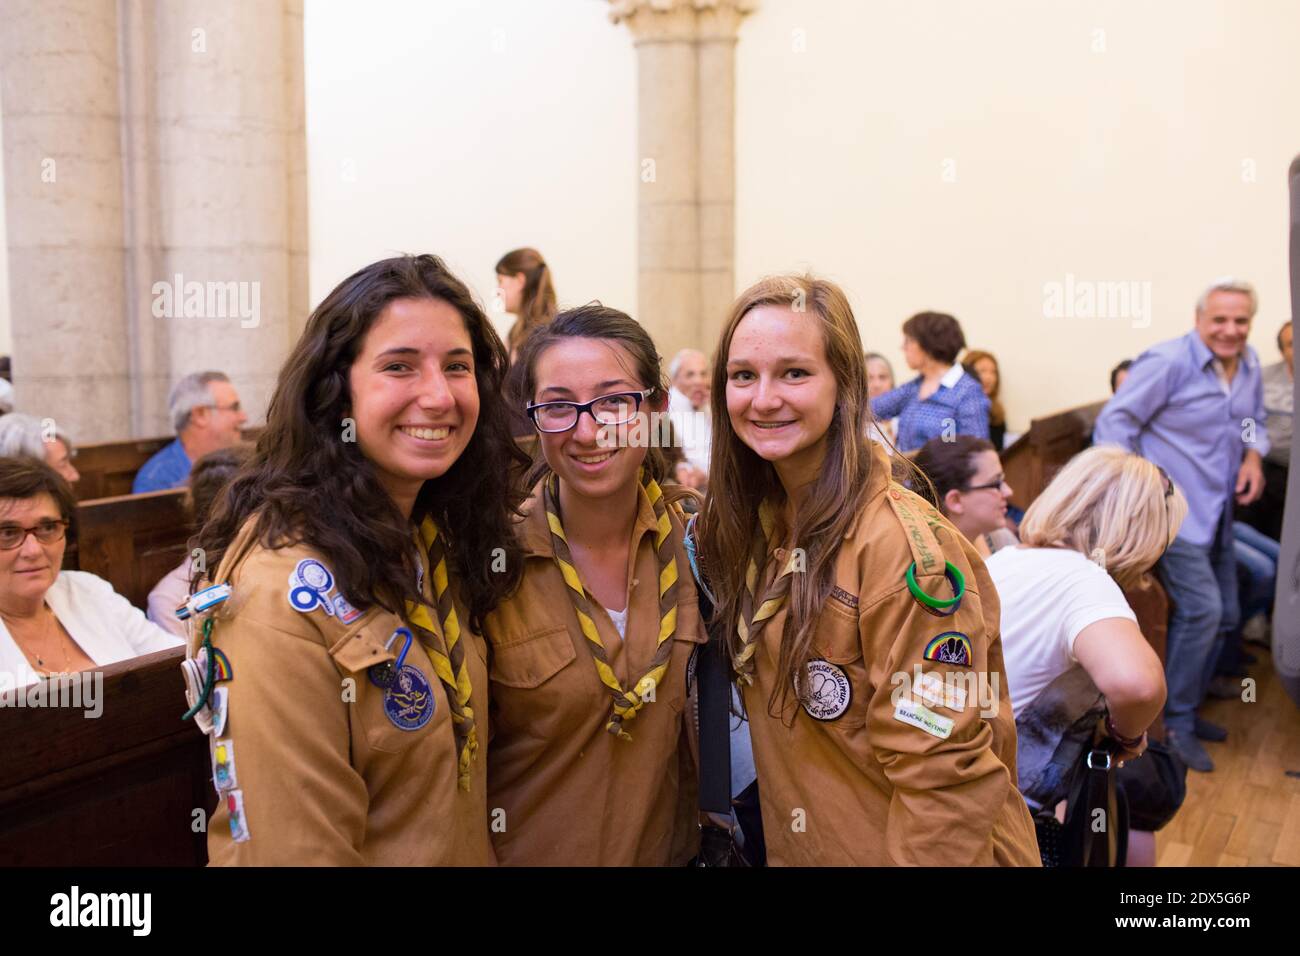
(385, 675)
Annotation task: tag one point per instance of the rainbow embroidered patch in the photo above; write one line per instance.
(222, 665)
(950, 647)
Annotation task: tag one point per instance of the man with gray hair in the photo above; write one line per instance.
(688, 409)
(1194, 405)
(207, 416)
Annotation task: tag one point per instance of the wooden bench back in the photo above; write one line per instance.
(118, 790)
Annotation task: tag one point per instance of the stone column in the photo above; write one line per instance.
(155, 184)
(63, 196)
(686, 133)
(229, 182)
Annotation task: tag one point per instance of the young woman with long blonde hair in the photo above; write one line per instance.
(862, 627)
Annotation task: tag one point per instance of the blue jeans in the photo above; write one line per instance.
(1202, 584)
(1257, 554)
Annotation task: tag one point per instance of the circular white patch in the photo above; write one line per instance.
(314, 575)
(827, 691)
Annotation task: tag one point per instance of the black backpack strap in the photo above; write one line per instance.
(713, 696)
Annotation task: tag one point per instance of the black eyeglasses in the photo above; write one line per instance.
(47, 532)
(617, 409)
(1001, 480)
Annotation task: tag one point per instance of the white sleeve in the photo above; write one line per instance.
(126, 619)
(1090, 595)
(163, 615)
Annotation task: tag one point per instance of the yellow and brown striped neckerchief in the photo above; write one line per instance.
(447, 653)
(626, 703)
(754, 614)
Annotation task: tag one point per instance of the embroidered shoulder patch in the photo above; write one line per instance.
(950, 647)
(845, 597)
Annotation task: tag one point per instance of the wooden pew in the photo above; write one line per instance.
(131, 541)
(1150, 603)
(1039, 453)
(108, 469)
(119, 790)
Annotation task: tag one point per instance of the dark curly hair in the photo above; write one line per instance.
(306, 484)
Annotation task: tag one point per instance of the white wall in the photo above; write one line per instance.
(1120, 155)
(928, 154)
(468, 129)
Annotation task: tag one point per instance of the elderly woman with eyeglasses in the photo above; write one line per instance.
(53, 621)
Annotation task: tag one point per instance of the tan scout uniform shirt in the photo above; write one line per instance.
(326, 777)
(865, 786)
(573, 793)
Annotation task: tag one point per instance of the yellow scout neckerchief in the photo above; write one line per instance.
(626, 703)
(450, 666)
(754, 614)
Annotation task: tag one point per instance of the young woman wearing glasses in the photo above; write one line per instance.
(54, 621)
(970, 489)
(589, 763)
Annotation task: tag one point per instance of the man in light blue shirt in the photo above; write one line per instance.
(206, 413)
(1195, 406)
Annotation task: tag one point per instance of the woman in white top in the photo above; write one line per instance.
(1105, 518)
(54, 621)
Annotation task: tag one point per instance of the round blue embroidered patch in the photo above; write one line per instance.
(408, 703)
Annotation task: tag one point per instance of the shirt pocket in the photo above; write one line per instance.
(533, 660)
(533, 694)
(420, 704)
(837, 687)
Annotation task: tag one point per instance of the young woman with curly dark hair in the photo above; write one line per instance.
(364, 544)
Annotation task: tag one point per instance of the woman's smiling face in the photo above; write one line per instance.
(780, 387)
(588, 457)
(414, 393)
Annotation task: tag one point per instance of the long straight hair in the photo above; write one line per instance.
(307, 483)
(537, 301)
(740, 481)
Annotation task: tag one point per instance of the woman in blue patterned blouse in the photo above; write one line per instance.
(942, 401)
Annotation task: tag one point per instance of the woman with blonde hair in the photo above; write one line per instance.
(1104, 520)
(853, 612)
